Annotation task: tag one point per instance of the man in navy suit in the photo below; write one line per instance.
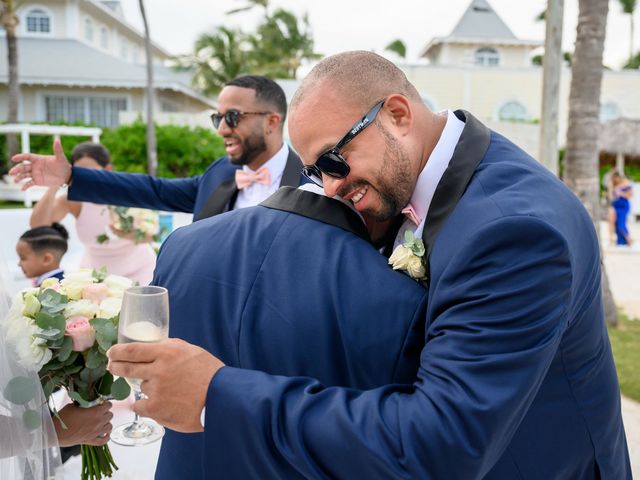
(515, 378)
(250, 118)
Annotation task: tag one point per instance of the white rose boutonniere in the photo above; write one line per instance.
(410, 257)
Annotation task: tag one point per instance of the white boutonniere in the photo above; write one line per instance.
(410, 257)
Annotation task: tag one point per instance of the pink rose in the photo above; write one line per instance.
(96, 292)
(81, 332)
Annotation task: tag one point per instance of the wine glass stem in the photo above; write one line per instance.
(137, 395)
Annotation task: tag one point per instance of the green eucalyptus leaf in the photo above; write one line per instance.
(52, 302)
(94, 359)
(120, 389)
(100, 274)
(31, 419)
(65, 349)
(50, 334)
(408, 236)
(21, 390)
(72, 358)
(78, 398)
(73, 369)
(105, 384)
(47, 388)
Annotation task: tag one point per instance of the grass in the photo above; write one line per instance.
(625, 342)
(8, 204)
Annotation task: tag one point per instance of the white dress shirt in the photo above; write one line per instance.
(431, 175)
(256, 192)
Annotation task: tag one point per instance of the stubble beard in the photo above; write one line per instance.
(252, 146)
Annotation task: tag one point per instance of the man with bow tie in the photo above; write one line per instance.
(250, 118)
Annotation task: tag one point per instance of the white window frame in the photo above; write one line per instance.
(25, 15)
(41, 108)
(104, 40)
(499, 118)
(88, 23)
(485, 56)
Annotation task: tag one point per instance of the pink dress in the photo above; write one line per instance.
(120, 256)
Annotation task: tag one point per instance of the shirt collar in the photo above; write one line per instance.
(44, 276)
(275, 164)
(435, 167)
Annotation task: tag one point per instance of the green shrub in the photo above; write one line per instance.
(182, 151)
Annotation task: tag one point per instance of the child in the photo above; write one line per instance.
(40, 250)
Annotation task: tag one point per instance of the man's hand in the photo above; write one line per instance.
(85, 426)
(45, 170)
(176, 377)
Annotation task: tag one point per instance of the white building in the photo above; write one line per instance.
(80, 61)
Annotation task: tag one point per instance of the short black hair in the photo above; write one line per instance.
(92, 150)
(47, 238)
(266, 90)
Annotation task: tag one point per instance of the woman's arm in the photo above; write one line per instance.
(51, 209)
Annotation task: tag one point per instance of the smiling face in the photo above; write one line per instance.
(381, 178)
(245, 144)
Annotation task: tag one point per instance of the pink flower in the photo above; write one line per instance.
(81, 332)
(96, 292)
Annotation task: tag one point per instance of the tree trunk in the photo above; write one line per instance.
(581, 159)
(10, 22)
(152, 152)
(552, 65)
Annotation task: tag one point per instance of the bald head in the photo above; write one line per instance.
(361, 78)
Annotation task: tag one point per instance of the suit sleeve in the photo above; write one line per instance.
(500, 310)
(134, 190)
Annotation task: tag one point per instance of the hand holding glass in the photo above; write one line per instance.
(144, 317)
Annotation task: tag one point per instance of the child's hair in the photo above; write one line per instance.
(52, 238)
(92, 150)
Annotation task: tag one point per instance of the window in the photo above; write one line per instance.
(88, 30)
(487, 57)
(124, 49)
(513, 111)
(609, 111)
(101, 111)
(104, 38)
(38, 21)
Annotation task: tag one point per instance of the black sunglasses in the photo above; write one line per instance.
(231, 117)
(331, 162)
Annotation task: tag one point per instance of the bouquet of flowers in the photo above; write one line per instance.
(63, 330)
(138, 224)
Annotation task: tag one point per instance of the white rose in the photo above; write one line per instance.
(117, 283)
(31, 305)
(31, 353)
(400, 257)
(109, 307)
(415, 268)
(81, 308)
(74, 282)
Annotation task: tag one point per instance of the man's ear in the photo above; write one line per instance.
(274, 122)
(398, 109)
(109, 168)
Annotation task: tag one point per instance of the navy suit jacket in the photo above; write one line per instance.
(204, 195)
(516, 378)
(268, 288)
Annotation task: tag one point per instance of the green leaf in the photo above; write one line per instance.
(49, 334)
(72, 358)
(102, 239)
(120, 389)
(51, 301)
(106, 332)
(47, 321)
(409, 237)
(105, 384)
(101, 273)
(91, 375)
(47, 388)
(95, 359)
(65, 350)
(31, 419)
(21, 390)
(418, 248)
(73, 369)
(78, 398)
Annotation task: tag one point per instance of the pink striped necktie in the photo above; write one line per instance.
(246, 178)
(411, 214)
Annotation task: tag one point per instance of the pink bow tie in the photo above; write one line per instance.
(244, 178)
(411, 214)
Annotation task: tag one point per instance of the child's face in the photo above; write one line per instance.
(32, 264)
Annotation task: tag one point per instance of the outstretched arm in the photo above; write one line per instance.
(44, 170)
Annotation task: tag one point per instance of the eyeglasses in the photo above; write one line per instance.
(331, 162)
(231, 117)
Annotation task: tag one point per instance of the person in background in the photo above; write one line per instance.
(250, 119)
(621, 193)
(40, 251)
(119, 255)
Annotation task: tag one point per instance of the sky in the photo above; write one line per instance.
(340, 25)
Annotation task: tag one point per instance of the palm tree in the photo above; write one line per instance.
(152, 151)
(216, 59)
(581, 159)
(9, 21)
(398, 47)
(250, 4)
(629, 7)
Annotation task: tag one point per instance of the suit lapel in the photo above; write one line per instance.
(471, 148)
(220, 199)
(292, 171)
(318, 207)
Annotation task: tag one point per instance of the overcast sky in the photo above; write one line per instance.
(340, 25)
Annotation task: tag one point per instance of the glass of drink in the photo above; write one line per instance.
(144, 317)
